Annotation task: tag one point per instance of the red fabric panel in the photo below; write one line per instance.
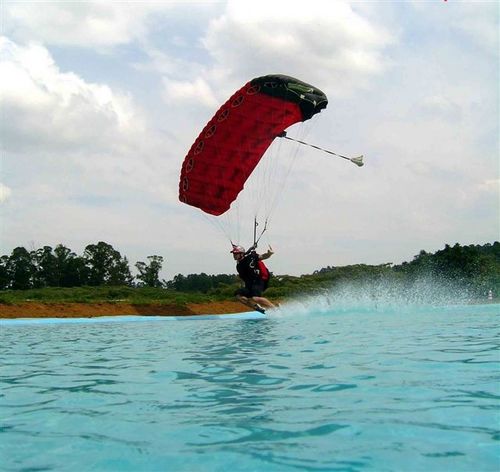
(230, 146)
(264, 272)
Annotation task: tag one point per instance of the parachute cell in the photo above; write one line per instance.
(232, 143)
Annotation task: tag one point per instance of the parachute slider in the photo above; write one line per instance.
(358, 160)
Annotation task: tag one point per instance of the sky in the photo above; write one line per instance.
(101, 100)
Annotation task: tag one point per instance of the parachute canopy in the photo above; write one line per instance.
(232, 143)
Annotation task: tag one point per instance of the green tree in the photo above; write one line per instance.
(5, 278)
(149, 273)
(47, 274)
(21, 268)
(106, 265)
(119, 273)
(72, 269)
(200, 282)
(178, 283)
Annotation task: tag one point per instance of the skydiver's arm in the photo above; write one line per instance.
(267, 254)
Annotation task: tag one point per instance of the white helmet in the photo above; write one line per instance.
(237, 250)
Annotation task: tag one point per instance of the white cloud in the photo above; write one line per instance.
(477, 20)
(68, 139)
(197, 91)
(84, 23)
(490, 186)
(327, 44)
(58, 110)
(5, 193)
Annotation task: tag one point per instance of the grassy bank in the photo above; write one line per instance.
(131, 295)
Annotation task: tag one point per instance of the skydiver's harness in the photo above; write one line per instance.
(252, 268)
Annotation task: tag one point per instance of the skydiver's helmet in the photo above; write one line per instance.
(237, 250)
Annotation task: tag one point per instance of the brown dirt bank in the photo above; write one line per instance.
(90, 310)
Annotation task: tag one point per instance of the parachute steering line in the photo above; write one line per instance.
(255, 238)
(355, 160)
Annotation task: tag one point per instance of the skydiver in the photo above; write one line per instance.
(255, 276)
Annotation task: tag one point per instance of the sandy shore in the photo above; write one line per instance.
(89, 310)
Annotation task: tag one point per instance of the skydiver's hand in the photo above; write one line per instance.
(270, 251)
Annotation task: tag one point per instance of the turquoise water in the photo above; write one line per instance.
(308, 389)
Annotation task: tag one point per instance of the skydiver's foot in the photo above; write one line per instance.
(258, 308)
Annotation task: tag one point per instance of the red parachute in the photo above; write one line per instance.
(235, 139)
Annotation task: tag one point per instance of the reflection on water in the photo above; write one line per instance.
(301, 390)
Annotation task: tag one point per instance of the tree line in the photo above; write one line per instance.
(476, 267)
(100, 264)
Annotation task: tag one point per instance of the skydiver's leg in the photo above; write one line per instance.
(244, 295)
(263, 302)
(257, 290)
(246, 301)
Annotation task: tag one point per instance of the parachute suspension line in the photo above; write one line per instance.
(255, 238)
(264, 183)
(355, 160)
(219, 225)
(290, 160)
(273, 172)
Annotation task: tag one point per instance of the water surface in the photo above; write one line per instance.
(306, 389)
